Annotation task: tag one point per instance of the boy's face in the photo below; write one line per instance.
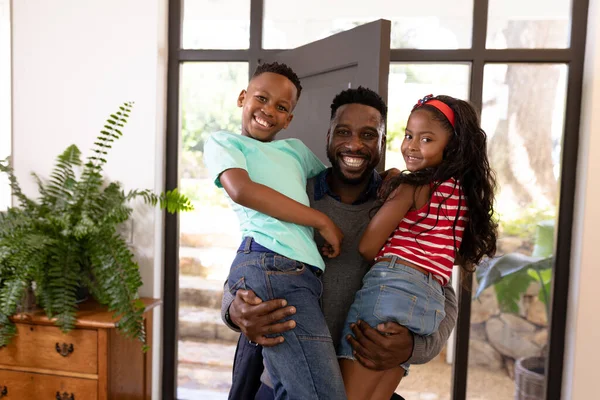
(267, 106)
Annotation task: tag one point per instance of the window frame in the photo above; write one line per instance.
(478, 56)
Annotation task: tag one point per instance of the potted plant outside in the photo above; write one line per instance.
(511, 275)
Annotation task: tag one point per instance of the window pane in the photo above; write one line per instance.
(532, 24)
(289, 25)
(523, 115)
(407, 84)
(411, 82)
(209, 24)
(209, 235)
(5, 100)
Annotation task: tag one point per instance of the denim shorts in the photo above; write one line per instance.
(393, 291)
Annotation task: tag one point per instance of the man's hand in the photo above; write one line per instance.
(381, 352)
(387, 177)
(256, 318)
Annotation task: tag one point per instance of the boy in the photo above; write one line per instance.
(266, 181)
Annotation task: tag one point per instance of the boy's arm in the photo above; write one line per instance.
(244, 191)
(426, 348)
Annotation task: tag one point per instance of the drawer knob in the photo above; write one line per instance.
(65, 349)
(64, 396)
(3, 391)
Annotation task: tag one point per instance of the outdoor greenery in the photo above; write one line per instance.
(67, 239)
(512, 273)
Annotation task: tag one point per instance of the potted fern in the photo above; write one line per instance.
(68, 239)
(511, 274)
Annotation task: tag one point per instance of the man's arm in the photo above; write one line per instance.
(426, 348)
(225, 304)
(254, 318)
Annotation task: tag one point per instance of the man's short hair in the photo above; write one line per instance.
(281, 69)
(360, 95)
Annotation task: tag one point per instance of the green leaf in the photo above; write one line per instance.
(544, 242)
(542, 276)
(510, 290)
(495, 270)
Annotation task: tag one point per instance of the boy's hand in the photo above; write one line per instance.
(257, 318)
(333, 237)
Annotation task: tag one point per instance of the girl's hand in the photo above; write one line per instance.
(333, 238)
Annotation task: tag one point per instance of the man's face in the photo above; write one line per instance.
(267, 106)
(355, 141)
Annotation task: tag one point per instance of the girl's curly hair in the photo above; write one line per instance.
(465, 159)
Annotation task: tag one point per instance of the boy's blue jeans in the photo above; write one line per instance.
(304, 366)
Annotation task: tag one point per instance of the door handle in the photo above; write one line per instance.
(3, 391)
(64, 396)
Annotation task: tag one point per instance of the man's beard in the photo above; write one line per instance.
(337, 170)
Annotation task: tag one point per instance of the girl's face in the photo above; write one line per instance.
(424, 141)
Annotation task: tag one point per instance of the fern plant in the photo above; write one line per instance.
(68, 239)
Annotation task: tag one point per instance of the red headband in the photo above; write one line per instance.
(440, 105)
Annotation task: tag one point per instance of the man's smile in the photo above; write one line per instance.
(353, 162)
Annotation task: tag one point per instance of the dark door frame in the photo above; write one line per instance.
(477, 56)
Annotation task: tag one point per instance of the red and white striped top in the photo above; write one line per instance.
(428, 237)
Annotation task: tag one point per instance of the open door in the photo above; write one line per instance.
(358, 57)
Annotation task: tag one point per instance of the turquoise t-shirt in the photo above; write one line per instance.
(284, 166)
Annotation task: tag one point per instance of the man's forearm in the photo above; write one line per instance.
(225, 304)
(426, 348)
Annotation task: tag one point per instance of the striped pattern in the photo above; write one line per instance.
(427, 237)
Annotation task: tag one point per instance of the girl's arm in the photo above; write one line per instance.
(248, 193)
(386, 220)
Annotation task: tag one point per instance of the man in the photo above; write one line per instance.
(347, 193)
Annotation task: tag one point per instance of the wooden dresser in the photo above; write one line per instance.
(92, 362)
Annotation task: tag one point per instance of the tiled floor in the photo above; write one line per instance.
(205, 373)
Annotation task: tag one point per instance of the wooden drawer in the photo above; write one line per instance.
(28, 386)
(35, 346)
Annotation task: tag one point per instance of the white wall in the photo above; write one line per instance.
(582, 348)
(5, 98)
(74, 63)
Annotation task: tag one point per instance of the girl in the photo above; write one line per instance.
(437, 212)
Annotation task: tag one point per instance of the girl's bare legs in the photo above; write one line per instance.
(359, 382)
(362, 383)
(388, 384)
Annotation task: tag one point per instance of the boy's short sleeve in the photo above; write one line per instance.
(222, 151)
(312, 165)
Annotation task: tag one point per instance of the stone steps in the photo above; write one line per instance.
(200, 292)
(204, 369)
(207, 262)
(214, 353)
(203, 323)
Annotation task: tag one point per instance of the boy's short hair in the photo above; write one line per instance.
(281, 69)
(360, 95)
